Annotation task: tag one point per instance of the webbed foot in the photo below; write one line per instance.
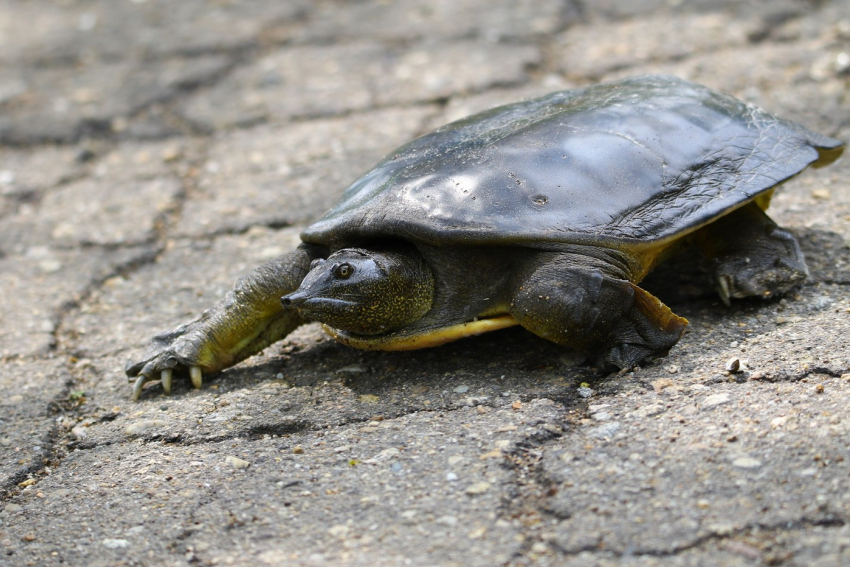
(246, 321)
(771, 266)
(182, 348)
(751, 255)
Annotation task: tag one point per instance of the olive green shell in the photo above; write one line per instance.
(636, 161)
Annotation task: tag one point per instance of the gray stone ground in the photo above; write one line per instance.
(152, 151)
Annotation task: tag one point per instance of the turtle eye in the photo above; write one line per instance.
(344, 271)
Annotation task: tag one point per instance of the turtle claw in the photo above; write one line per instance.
(196, 376)
(169, 352)
(138, 385)
(166, 380)
(724, 289)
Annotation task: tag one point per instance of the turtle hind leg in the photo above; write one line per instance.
(751, 255)
(612, 320)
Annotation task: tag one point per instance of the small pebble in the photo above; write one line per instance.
(733, 365)
(585, 392)
(494, 454)
(171, 154)
(567, 457)
(715, 400)
(298, 450)
(384, 455)
(605, 431)
(115, 543)
(539, 547)
(236, 462)
(451, 477)
(478, 488)
(781, 421)
(140, 427)
(649, 410)
(743, 549)
(461, 389)
(748, 463)
(477, 533)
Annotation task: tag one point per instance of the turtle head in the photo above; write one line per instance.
(367, 292)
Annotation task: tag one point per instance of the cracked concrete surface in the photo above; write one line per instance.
(152, 152)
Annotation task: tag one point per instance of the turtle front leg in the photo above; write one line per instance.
(611, 320)
(248, 319)
(751, 255)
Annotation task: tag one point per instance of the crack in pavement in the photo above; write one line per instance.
(785, 526)
(48, 458)
(239, 57)
(522, 461)
(785, 376)
(62, 342)
(531, 487)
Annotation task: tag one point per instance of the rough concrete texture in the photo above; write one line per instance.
(151, 152)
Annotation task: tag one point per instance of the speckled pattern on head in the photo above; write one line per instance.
(633, 162)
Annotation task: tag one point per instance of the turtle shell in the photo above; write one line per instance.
(638, 161)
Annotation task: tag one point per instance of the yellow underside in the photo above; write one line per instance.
(425, 340)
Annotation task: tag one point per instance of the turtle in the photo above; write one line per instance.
(545, 213)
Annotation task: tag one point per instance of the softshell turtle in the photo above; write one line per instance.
(545, 213)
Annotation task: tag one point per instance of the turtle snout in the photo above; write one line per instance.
(294, 300)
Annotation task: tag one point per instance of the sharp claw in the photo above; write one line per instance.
(196, 377)
(166, 380)
(137, 387)
(723, 290)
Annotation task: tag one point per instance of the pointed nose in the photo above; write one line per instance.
(294, 300)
